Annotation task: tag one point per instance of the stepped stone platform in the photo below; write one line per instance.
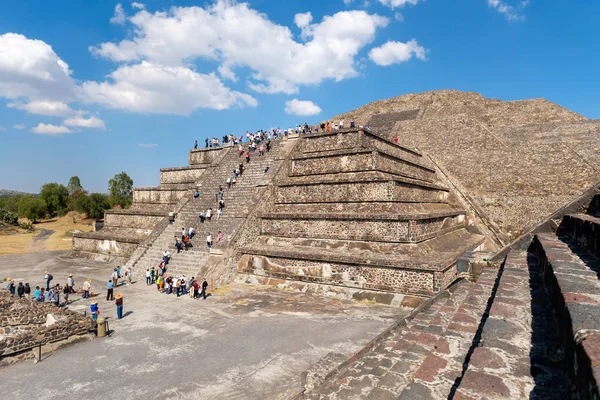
(354, 209)
(513, 162)
(127, 229)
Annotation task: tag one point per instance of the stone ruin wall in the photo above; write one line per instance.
(206, 157)
(342, 192)
(180, 175)
(98, 245)
(418, 282)
(136, 221)
(23, 326)
(158, 195)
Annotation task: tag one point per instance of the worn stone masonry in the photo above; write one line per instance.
(358, 210)
(25, 324)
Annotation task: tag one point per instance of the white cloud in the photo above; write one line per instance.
(302, 107)
(148, 145)
(511, 13)
(2, 128)
(227, 73)
(48, 129)
(137, 5)
(398, 3)
(221, 32)
(31, 69)
(154, 88)
(19, 126)
(44, 107)
(396, 52)
(119, 16)
(80, 121)
(348, 2)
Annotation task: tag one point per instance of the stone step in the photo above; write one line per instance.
(571, 273)
(585, 229)
(519, 354)
(423, 358)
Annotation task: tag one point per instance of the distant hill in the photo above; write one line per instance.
(9, 193)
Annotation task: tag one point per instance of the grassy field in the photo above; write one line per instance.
(19, 241)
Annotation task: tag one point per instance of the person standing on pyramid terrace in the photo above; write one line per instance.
(228, 182)
(209, 214)
(190, 234)
(219, 237)
(208, 240)
(148, 277)
(167, 256)
(109, 290)
(202, 217)
(195, 144)
(219, 213)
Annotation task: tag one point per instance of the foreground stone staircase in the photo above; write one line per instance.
(530, 329)
(240, 201)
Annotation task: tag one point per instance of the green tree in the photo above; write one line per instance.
(74, 185)
(56, 197)
(12, 203)
(120, 190)
(32, 208)
(93, 205)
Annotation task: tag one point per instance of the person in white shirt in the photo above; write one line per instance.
(191, 233)
(209, 214)
(208, 240)
(219, 213)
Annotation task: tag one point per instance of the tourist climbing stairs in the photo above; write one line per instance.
(239, 200)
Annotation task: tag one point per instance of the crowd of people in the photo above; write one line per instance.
(275, 133)
(178, 285)
(51, 293)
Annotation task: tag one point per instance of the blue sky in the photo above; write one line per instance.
(93, 88)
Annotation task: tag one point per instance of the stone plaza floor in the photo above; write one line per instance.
(243, 342)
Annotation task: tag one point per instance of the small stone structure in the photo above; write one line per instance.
(26, 324)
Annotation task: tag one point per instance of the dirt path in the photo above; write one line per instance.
(39, 242)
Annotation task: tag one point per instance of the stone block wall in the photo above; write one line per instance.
(181, 175)
(356, 276)
(330, 164)
(133, 220)
(116, 247)
(402, 192)
(386, 163)
(23, 324)
(331, 193)
(156, 195)
(371, 230)
(206, 156)
(339, 140)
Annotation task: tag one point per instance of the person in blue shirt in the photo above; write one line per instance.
(94, 310)
(109, 290)
(36, 294)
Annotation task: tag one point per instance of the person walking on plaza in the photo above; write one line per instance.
(87, 286)
(94, 310)
(128, 274)
(115, 277)
(66, 292)
(119, 304)
(27, 290)
(204, 286)
(71, 283)
(148, 277)
(48, 278)
(109, 290)
(20, 290)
